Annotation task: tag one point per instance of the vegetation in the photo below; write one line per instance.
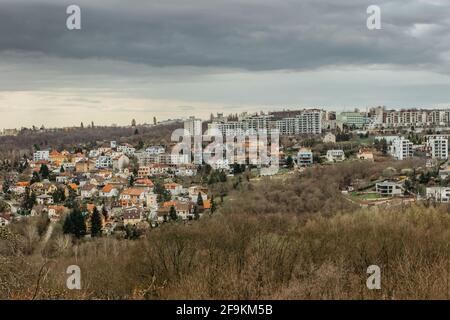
(284, 238)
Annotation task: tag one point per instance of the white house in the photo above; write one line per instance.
(127, 149)
(438, 194)
(44, 199)
(120, 162)
(335, 155)
(305, 157)
(109, 191)
(389, 189)
(175, 189)
(88, 191)
(329, 138)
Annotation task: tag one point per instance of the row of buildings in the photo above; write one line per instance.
(315, 121)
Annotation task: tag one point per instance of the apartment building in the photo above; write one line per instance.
(193, 126)
(351, 119)
(296, 122)
(416, 118)
(401, 149)
(41, 155)
(305, 157)
(438, 147)
(103, 162)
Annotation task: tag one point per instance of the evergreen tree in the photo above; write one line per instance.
(173, 213)
(196, 214)
(44, 172)
(68, 227)
(200, 200)
(104, 212)
(96, 223)
(76, 224)
(289, 162)
(35, 178)
(6, 186)
(213, 205)
(29, 200)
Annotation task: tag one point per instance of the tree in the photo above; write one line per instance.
(196, 214)
(6, 186)
(59, 195)
(162, 192)
(96, 223)
(131, 181)
(61, 170)
(213, 205)
(289, 162)
(200, 200)
(82, 125)
(29, 200)
(136, 131)
(35, 178)
(104, 212)
(154, 121)
(76, 224)
(133, 123)
(68, 227)
(173, 213)
(44, 171)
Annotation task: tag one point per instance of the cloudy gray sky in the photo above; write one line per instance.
(172, 58)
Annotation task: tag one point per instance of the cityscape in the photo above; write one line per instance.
(224, 158)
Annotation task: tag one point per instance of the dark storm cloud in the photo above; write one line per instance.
(244, 34)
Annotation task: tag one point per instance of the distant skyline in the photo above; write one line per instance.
(176, 58)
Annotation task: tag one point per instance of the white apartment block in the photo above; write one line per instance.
(155, 150)
(416, 118)
(438, 147)
(193, 126)
(103, 162)
(438, 194)
(41, 155)
(306, 122)
(127, 149)
(401, 149)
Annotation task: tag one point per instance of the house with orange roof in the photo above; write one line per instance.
(184, 209)
(57, 158)
(56, 211)
(132, 196)
(19, 187)
(144, 183)
(109, 191)
(365, 154)
(175, 189)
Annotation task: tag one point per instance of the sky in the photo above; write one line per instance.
(174, 58)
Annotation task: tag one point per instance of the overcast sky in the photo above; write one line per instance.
(173, 58)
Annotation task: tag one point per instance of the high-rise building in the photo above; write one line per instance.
(193, 126)
(438, 147)
(401, 149)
